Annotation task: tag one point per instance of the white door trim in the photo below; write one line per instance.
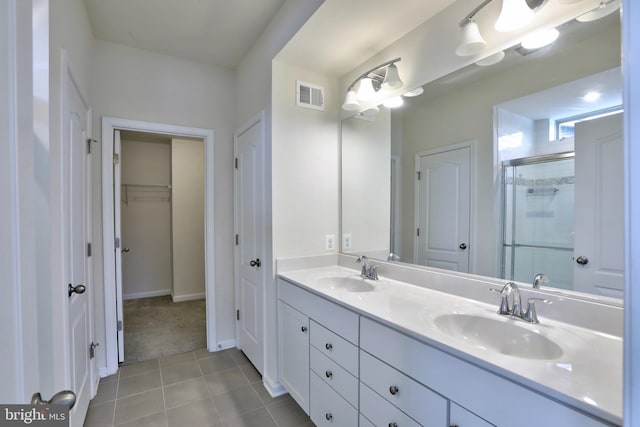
(19, 353)
(109, 124)
(471, 144)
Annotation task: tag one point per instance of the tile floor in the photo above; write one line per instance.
(191, 389)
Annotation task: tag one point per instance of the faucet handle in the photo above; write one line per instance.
(504, 303)
(361, 258)
(530, 315)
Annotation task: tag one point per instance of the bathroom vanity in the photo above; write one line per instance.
(387, 352)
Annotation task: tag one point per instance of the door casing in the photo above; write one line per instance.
(109, 125)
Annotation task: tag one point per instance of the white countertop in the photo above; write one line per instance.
(587, 375)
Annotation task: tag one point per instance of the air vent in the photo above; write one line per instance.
(309, 95)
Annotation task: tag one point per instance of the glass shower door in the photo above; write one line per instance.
(538, 219)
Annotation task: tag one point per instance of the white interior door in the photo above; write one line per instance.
(117, 146)
(80, 313)
(599, 218)
(249, 227)
(443, 198)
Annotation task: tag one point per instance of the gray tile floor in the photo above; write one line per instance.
(191, 389)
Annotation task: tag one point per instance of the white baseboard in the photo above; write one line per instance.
(274, 388)
(188, 297)
(150, 294)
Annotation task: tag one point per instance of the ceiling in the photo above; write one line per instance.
(216, 32)
(340, 35)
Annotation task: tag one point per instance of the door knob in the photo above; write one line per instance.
(582, 260)
(255, 263)
(80, 289)
(125, 250)
(463, 246)
(65, 397)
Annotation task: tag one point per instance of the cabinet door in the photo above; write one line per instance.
(460, 417)
(293, 328)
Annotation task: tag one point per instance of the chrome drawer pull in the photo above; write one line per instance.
(328, 416)
(394, 390)
(328, 346)
(328, 374)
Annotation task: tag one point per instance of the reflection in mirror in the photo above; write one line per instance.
(428, 183)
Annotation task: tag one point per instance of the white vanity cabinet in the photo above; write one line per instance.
(293, 345)
(493, 399)
(325, 357)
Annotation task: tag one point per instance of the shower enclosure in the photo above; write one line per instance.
(538, 218)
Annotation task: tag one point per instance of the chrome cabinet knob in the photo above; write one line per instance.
(462, 246)
(328, 416)
(328, 346)
(393, 424)
(304, 329)
(328, 374)
(394, 390)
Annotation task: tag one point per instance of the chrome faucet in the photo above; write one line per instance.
(515, 309)
(369, 270)
(539, 278)
(516, 304)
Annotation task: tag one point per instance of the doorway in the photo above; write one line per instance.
(112, 248)
(161, 209)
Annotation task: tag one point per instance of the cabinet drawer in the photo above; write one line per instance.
(336, 376)
(328, 408)
(365, 422)
(340, 320)
(382, 413)
(416, 400)
(335, 347)
(462, 418)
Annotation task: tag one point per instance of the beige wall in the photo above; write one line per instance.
(146, 218)
(187, 218)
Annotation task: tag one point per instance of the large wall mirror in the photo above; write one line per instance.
(506, 170)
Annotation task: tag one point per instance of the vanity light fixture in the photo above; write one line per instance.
(540, 39)
(513, 15)
(472, 42)
(369, 84)
(491, 59)
(394, 102)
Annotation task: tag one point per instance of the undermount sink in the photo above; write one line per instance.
(505, 337)
(350, 284)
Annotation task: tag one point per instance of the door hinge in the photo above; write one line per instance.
(117, 243)
(417, 231)
(237, 314)
(92, 349)
(89, 249)
(119, 325)
(419, 175)
(89, 146)
(116, 158)
(237, 239)
(236, 163)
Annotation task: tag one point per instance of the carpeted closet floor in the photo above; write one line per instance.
(156, 327)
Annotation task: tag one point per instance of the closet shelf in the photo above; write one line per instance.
(160, 191)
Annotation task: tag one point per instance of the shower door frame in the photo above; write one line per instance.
(523, 161)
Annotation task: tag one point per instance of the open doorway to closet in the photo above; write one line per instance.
(162, 244)
(113, 244)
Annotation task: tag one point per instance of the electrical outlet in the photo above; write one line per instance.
(330, 242)
(346, 241)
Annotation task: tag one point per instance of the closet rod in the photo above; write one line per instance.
(147, 185)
